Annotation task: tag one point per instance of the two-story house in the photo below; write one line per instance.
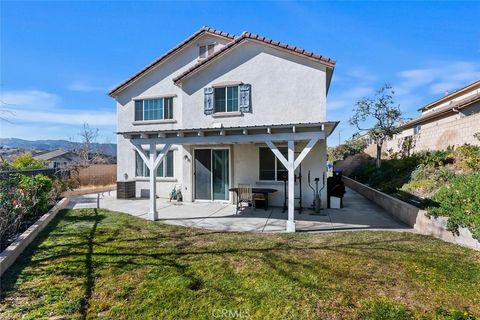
(218, 110)
(451, 120)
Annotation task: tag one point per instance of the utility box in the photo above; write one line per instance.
(335, 202)
(125, 189)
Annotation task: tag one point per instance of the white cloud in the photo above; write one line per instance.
(361, 73)
(65, 117)
(347, 98)
(417, 87)
(34, 106)
(444, 76)
(84, 87)
(30, 98)
(413, 87)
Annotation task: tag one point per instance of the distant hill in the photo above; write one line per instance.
(107, 148)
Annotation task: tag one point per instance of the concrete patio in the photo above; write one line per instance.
(358, 214)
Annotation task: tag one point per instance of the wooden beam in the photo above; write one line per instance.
(277, 153)
(161, 155)
(153, 182)
(140, 151)
(304, 152)
(290, 227)
(240, 138)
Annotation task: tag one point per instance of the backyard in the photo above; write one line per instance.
(92, 263)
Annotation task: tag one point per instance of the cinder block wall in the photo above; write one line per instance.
(455, 130)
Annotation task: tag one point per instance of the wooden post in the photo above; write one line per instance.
(153, 183)
(291, 186)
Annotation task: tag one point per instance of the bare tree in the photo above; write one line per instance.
(5, 111)
(88, 138)
(384, 113)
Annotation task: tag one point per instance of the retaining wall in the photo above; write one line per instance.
(414, 217)
(11, 253)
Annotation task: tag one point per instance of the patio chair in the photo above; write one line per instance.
(244, 196)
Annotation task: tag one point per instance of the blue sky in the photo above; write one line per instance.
(59, 59)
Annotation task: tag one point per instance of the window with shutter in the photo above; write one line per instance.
(226, 99)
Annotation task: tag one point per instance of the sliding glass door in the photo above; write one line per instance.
(211, 170)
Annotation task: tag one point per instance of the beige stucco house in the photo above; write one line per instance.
(449, 121)
(218, 110)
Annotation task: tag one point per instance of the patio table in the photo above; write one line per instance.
(264, 191)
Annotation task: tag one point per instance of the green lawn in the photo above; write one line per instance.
(106, 265)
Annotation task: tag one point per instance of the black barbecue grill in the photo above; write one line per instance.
(335, 187)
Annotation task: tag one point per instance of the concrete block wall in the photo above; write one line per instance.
(455, 130)
(415, 217)
(452, 131)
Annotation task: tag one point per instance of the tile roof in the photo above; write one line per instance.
(254, 37)
(51, 154)
(451, 95)
(168, 54)
(451, 107)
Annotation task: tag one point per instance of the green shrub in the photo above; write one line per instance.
(460, 202)
(34, 194)
(434, 158)
(467, 157)
(423, 185)
(26, 162)
(390, 177)
(22, 198)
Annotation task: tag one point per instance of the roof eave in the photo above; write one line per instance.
(327, 62)
(446, 97)
(204, 30)
(438, 114)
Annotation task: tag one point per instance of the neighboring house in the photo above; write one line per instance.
(58, 159)
(218, 110)
(449, 121)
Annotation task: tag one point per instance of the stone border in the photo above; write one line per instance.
(414, 217)
(11, 253)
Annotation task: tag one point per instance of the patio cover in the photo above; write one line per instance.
(268, 134)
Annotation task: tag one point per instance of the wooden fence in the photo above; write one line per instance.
(95, 175)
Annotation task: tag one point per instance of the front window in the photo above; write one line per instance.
(271, 169)
(417, 129)
(154, 109)
(226, 99)
(164, 170)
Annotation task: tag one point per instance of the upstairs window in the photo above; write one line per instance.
(417, 129)
(206, 50)
(154, 109)
(164, 170)
(226, 99)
